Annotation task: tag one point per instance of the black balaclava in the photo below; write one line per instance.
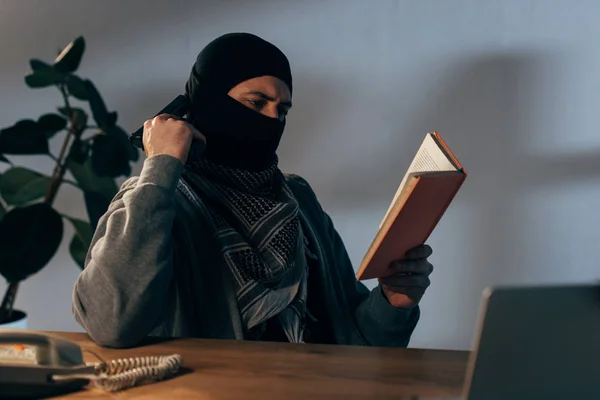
(236, 135)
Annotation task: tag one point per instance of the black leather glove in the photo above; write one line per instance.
(411, 276)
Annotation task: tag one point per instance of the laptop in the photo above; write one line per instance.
(536, 343)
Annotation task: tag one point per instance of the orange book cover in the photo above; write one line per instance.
(424, 196)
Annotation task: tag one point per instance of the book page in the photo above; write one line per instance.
(429, 158)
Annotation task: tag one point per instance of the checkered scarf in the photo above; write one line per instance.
(254, 217)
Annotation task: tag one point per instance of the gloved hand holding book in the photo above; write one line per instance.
(405, 288)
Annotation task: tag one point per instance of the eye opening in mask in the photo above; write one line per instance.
(266, 105)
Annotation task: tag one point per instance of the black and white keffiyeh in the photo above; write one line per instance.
(255, 220)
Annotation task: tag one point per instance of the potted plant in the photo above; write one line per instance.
(31, 229)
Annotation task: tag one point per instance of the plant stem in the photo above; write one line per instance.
(52, 156)
(60, 168)
(59, 171)
(6, 308)
(72, 183)
(66, 99)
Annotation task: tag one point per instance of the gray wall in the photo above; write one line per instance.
(513, 86)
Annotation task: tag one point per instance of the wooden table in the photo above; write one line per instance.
(220, 369)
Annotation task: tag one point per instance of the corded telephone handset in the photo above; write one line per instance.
(33, 365)
(178, 107)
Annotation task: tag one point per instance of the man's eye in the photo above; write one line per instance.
(257, 103)
(283, 111)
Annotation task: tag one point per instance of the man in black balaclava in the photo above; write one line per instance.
(236, 134)
(217, 242)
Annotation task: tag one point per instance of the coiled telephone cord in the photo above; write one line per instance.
(128, 372)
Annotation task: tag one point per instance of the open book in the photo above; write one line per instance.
(429, 186)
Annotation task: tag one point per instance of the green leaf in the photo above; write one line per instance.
(96, 205)
(50, 124)
(80, 115)
(2, 209)
(80, 243)
(90, 182)
(109, 157)
(25, 137)
(99, 110)
(20, 185)
(123, 138)
(112, 118)
(29, 238)
(83, 229)
(43, 77)
(79, 151)
(76, 87)
(70, 58)
(36, 64)
(78, 250)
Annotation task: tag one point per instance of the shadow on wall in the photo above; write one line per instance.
(489, 109)
(318, 105)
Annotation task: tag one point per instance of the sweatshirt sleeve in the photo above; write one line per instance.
(379, 323)
(121, 294)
